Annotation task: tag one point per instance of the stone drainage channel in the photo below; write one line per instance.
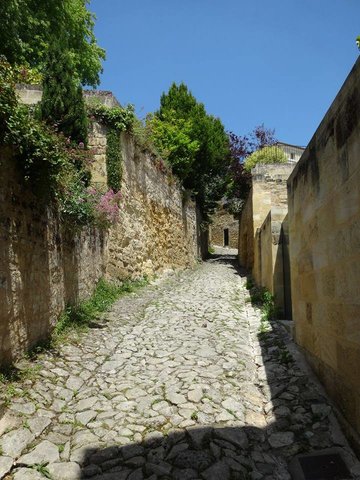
(177, 382)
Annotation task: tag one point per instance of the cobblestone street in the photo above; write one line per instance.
(175, 382)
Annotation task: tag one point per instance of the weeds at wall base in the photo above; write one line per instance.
(73, 321)
(263, 299)
(79, 318)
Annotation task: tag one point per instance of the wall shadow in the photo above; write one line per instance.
(281, 275)
(69, 255)
(286, 415)
(42, 266)
(25, 290)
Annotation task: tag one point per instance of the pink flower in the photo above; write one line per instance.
(108, 207)
(92, 191)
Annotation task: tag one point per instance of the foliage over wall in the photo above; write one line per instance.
(113, 159)
(265, 155)
(53, 169)
(120, 118)
(54, 41)
(62, 105)
(241, 148)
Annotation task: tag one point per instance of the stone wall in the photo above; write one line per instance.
(261, 233)
(43, 267)
(223, 220)
(246, 235)
(29, 94)
(158, 222)
(324, 222)
(272, 241)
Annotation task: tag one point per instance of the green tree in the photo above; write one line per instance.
(172, 139)
(179, 100)
(206, 174)
(62, 104)
(272, 154)
(29, 28)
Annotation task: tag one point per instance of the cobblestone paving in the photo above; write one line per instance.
(175, 384)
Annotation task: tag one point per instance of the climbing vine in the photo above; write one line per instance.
(116, 119)
(113, 159)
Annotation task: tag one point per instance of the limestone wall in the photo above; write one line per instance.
(157, 228)
(158, 222)
(43, 267)
(272, 241)
(246, 235)
(223, 220)
(268, 190)
(29, 94)
(324, 222)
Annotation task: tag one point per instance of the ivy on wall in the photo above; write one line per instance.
(113, 159)
(116, 119)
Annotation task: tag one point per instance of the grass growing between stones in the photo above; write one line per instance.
(80, 317)
(10, 378)
(42, 469)
(75, 319)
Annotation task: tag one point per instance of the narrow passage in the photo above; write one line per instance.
(176, 384)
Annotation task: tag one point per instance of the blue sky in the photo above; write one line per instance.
(278, 62)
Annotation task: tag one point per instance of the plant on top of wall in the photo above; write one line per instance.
(56, 170)
(120, 118)
(269, 154)
(242, 147)
(62, 104)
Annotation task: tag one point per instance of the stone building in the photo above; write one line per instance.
(224, 230)
(263, 239)
(263, 228)
(293, 152)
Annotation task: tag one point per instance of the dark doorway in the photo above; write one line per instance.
(226, 237)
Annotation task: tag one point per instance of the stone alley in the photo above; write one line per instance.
(178, 381)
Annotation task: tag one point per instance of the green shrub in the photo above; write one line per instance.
(249, 283)
(265, 300)
(272, 154)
